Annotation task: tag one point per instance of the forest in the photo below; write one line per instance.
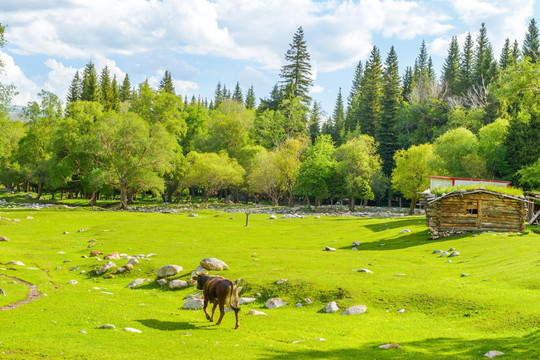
(479, 118)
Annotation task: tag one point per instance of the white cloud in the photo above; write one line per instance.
(316, 89)
(27, 90)
(59, 78)
(185, 87)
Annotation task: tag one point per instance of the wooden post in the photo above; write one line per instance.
(479, 214)
(247, 217)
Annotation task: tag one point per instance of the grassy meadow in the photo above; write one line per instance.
(447, 315)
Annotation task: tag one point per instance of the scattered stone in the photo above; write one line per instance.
(177, 284)
(297, 341)
(355, 310)
(492, 353)
(317, 217)
(3, 238)
(133, 260)
(451, 249)
(331, 307)
(213, 264)
(405, 231)
(321, 339)
(455, 253)
(401, 311)
(72, 282)
(132, 330)
(94, 253)
(444, 253)
(365, 271)
(308, 301)
(328, 248)
(66, 232)
(162, 282)
(274, 303)
(58, 268)
(193, 215)
(258, 294)
(106, 326)
(437, 251)
(67, 261)
(463, 275)
(84, 256)
(255, 312)
(90, 245)
(82, 272)
(448, 261)
(112, 256)
(356, 243)
(29, 218)
(82, 332)
(3, 292)
(390, 346)
(109, 276)
(74, 268)
(199, 269)
(193, 303)
(16, 262)
(400, 275)
(151, 254)
(298, 304)
(168, 270)
(273, 217)
(246, 300)
(105, 267)
(81, 230)
(281, 281)
(135, 282)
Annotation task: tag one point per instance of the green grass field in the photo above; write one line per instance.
(495, 307)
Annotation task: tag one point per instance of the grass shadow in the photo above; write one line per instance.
(166, 325)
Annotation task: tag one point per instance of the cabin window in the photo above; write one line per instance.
(471, 208)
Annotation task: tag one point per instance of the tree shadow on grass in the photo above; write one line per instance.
(526, 347)
(166, 325)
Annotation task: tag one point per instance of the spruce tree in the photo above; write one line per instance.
(530, 44)
(338, 117)
(116, 94)
(296, 74)
(218, 96)
(515, 52)
(315, 117)
(237, 95)
(250, 98)
(90, 88)
(166, 83)
(370, 101)
(450, 76)
(407, 83)
(506, 55)
(391, 102)
(75, 89)
(125, 90)
(107, 96)
(466, 66)
(484, 64)
(356, 84)
(353, 101)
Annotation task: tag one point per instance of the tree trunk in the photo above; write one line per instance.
(52, 195)
(123, 197)
(413, 205)
(94, 198)
(247, 218)
(400, 202)
(351, 203)
(307, 201)
(40, 191)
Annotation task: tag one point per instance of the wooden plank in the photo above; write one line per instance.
(479, 217)
(534, 218)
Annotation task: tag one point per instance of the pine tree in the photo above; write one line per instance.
(423, 76)
(107, 96)
(353, 101)
(296, 74)
(250, 98)
(356, 84)
(125, 90)
(339, 118)
(484, 64)
(237, 95)
(218, 96)
(506, 55)
(90, 88)
(75, 89)
(315, 117)
(407, 83)
(466, 66)
(370, 101)
(116, 94)
(450, 76)
(515, 52)
(530, 44)
(391, 102)
(166, 83)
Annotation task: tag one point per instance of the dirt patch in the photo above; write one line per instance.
(32, 295)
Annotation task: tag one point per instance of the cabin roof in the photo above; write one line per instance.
(457, 192)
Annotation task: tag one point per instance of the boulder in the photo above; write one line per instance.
(135, 282)
(133, 260)
(356, 243)
(3, 238)
(72, 282)
(177, 284)
(133, 330)
(298, 304)
(168, 270)
(401, 311)
(274, 303)
(213, 264)
(199, 269)
(331, 307)
(390, 346)
(193, 303)
(281, 281)
(128, 267)
(112, 256)
(16, 262)
(273, 217)
(162, 282)
(193, 215)
(245, 300)
(405, 231)
(2, 292)
(437, 251)
(492, 353)
(328, 248)
(255, 312)
(308, 301)
(444, 253)
(106, 326)
(355, 310)
(365, 271)
(454, 253)
(94, 253)
(105, 267)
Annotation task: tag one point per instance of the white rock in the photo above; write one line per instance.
(16, 262)
(213, 264)
(133, 260)
(3, 238)
(255, 312)
(317, 217)
(356, 243)
(82, 331)
(444, 253)
(273, 217)
(162, 282)
(354, 249)
(274, 303)
(405, 231)
(177, 284)
(199, 269)
(106, 326)
(135, 282)
(29, 217)
(454, 253)
(132, 330)
(193, 215)
(246, 300)
(492, 353)
(168, 270)
(437, 251)
(298, 305)
(354, 310)
(331, 307)
(390, 346)
(365, 271)
(3, 292)
(105, 267)
(149, 255)
(281, 281)
(328, 248)
(193, 303)
(401, 311)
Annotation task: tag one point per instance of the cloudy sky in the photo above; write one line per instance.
(202, 42)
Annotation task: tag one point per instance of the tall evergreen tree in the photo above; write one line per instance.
(391, 102)
(90, 88)
(484, 64)
(338, 117)
(353, 101)
(506, 55)
(371, 94)
(315, 117)
(75, 89)
(116, 94)
(531, 44)
(423, 76)
(237, 95)
(356, 84)
(107, 96)
(166, 83)
(250, 98)
(296, 74)
(466, 66)
(125, 90)
(450, 76)
(407, 83)
(218, 95)
(515, 52)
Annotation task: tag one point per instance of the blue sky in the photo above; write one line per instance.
(202, 42)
